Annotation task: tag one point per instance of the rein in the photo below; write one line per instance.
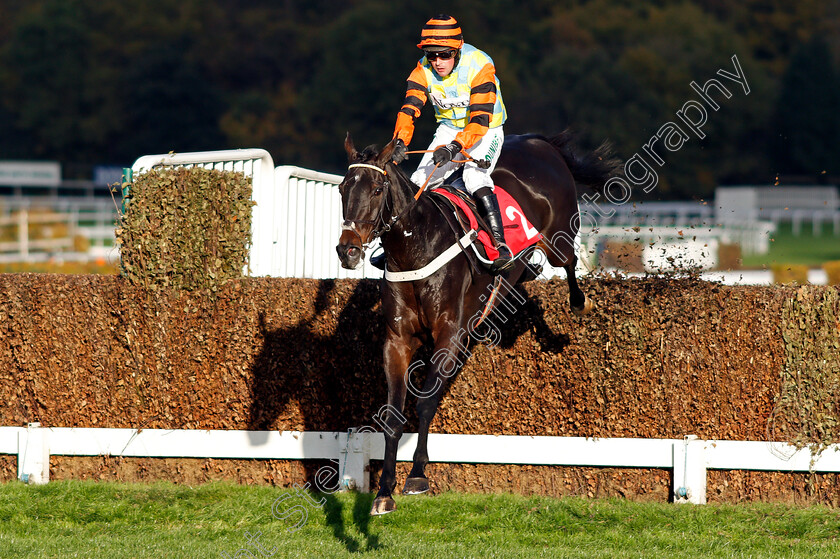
(378, 232)
(480, 163)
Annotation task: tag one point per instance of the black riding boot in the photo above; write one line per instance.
(490, 206)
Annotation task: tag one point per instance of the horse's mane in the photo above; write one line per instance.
(371, 154)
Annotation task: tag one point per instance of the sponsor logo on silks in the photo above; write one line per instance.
(492, 151)
(444, 103)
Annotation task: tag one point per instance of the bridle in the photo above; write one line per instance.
(350, 224)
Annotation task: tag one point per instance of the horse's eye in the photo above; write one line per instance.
(378, 191)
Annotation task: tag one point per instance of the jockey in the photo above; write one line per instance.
(461, 82)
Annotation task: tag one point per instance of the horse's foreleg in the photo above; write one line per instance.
(447, 360)
(580, 303)
(397, 356)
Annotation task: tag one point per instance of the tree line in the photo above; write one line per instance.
(92, 82)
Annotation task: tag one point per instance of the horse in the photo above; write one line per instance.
(379, 200)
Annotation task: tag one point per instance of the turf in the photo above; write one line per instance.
(86, 519)
(806, 248)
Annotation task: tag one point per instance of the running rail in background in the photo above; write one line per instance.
(689, 458)
(307, 224)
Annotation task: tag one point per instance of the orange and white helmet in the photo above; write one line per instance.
(443, 32)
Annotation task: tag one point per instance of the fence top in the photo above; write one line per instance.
(147, 162)
(289, 171)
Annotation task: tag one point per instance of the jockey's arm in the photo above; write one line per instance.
(415, 98)
(482, 101)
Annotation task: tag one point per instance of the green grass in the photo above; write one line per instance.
(85, 519)
(786, 248)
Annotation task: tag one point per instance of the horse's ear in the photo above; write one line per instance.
(384, 156)
(352, 154)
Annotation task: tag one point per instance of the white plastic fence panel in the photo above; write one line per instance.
(315, 238)
(308, 224)
(289, 227)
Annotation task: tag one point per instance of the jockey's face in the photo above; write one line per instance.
(441, 66)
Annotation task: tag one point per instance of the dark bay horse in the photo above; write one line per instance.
(378, 200)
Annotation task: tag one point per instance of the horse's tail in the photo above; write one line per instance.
(592, 169)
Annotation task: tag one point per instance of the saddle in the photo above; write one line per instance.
(520, 234)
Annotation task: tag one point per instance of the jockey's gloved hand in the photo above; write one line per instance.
(444, 154)
(399, 155)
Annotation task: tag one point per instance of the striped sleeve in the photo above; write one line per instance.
(482, 102)
(415, 98)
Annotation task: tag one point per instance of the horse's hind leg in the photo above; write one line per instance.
(561, 252)
(580, 303)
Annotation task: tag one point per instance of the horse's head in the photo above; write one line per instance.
(364, 192)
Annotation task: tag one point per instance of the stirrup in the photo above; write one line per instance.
(503, 262)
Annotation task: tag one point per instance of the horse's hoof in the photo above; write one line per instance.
(383, 505)
(585, 309)
(415, 486)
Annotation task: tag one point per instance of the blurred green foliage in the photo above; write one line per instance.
(102, 81)
(185, 228)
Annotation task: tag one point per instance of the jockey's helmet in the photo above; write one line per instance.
(440, 33)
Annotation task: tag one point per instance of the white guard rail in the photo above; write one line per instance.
(689, 458)
(307, 224)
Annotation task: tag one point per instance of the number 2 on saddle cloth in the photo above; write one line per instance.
(519, 233)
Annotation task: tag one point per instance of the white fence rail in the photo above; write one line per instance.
(682, 214)
(689, 458)
(93, 219)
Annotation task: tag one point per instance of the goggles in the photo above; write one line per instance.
(443, 55)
